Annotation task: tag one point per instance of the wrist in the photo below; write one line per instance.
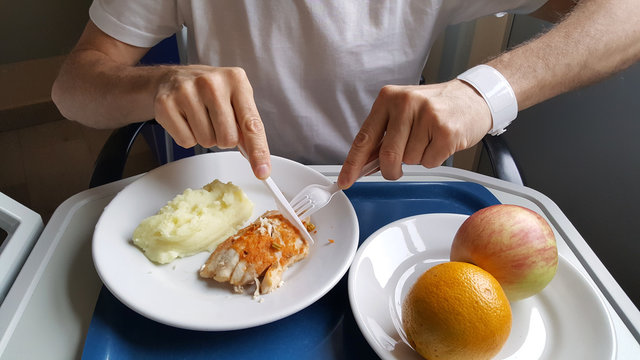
(497, 93)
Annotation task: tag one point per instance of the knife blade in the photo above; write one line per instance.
(283, 205)
(286, 209)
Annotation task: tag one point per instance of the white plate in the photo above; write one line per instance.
(174, 294)
(567, 320)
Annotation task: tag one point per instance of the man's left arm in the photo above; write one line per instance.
(597, 39)
(427, 124)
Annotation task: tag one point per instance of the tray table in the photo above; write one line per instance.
(48, 312)
(20, 227)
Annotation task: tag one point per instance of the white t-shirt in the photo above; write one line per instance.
(316, 66)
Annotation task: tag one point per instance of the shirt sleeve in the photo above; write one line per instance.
(141, 23)
(467, 10)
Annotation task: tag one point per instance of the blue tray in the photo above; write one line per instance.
(324, 330)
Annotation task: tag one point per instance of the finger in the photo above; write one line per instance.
(252, 133)
(395, 140)
(418, 140)
(364, 144)
(172, 120)
(215, 94)
(197, 117)
(438, 150)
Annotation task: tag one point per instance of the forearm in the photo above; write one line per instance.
(599, 38)
(98, 92)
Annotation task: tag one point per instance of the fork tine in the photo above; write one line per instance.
(302, 202)
(299, 200)
(305, 214)
(303, 194)
(303, 209)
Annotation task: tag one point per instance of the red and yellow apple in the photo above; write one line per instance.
(514, 244)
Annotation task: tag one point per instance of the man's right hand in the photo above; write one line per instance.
(100, 85)
(212, 106)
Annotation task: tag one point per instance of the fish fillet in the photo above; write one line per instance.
(261, 251)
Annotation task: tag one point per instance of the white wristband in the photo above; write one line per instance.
(497, 92)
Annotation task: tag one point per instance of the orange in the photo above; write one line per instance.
(456, 310)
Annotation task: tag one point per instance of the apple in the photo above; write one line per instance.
(514, 244)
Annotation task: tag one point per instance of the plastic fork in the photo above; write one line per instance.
(315, 196)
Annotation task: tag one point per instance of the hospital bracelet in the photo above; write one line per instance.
(497, 92)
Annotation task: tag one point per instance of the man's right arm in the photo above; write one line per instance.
(100, 86)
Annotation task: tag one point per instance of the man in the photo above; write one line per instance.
(306, 74)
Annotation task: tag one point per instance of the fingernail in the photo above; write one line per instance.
(341, 183)
(262, 171)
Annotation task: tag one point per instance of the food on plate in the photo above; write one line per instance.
(309, 226)
(515, 244)
(194, 221)
(456, 310)
(258, 254)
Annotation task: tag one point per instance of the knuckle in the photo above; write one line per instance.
(390, 156)
(161, 101)
(182, 87)
(208, 83)
(444, 130)
(227, 140)
(397, 97)
(259, 153)
(363, 138)
(387, 91)
(237, 73)
(349, 163)
(252, 124)
(427, 106)
(205, 81)
(450, 131)
(404, 97)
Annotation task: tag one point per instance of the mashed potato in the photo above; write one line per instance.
(194, 221)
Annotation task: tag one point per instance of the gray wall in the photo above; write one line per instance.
(581, 149)
(34, 29)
